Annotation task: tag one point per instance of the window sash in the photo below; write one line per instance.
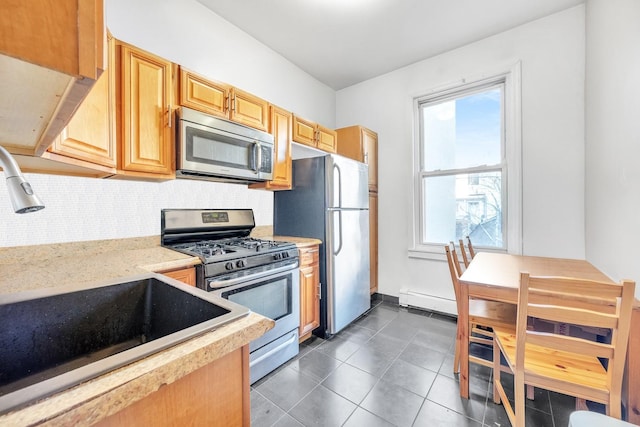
(504, 209)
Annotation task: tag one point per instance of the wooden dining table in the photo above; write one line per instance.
(496, 276)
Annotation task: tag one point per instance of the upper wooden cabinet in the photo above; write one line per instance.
(312, 134)
(145, 86)
(51, 54)
(222, 100)
(280, 128)
(361, 144)
(89, 139)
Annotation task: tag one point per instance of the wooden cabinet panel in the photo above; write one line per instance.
(326, 139)
(249, 110)
(222, 100)
(280, 128)
(304, 131)
(51, 54)
(373, 242)
(146, 89)
(360, 143)
(185, 275)
(146, 144)
(370, 156)
(214, 395)
(203, 94)
(309, 291)
(349, 143)
(90, 135)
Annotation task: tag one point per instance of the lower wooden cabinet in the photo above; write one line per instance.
(373, 242)
(309, 290)
(185, 275)
(214, 395)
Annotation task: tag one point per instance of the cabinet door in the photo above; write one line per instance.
(249, 110)
(280, 128)
(326, 139)
(309, 291)
(349, 142)
(216, 395)
(370, 146)
(185, 275)
(203, 94)
(146, 144)
(304, 131)
(373, 242)
(90, 135)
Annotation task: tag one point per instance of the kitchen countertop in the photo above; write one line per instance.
(78, 263)
(266, 232)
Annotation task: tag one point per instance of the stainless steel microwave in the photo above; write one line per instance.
(216, 149)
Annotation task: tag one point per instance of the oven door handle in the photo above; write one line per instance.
(214, 284)
(274, 350)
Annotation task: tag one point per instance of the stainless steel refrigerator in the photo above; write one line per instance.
(330, 201)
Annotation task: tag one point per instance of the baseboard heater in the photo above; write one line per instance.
(409, 298)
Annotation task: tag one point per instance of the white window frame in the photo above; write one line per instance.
(511, 162)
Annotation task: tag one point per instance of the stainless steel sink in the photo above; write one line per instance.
(54, 338)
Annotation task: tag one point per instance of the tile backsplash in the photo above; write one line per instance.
(80, 209)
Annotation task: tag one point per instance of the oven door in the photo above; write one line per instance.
(276, 296)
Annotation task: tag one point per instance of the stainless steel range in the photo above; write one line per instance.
(260, 274)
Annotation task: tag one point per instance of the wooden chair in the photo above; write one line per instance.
(482, 315)
(562, 363)
(472, 253)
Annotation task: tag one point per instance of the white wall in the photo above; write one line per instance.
(613, 137)
(187, 33)
(551, 51)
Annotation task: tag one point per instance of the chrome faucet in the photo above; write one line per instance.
(23, 198)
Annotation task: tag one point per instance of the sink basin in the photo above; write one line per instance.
(54, 338)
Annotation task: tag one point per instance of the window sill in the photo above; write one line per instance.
(437, 252)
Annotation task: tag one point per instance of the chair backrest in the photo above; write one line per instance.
(466, 259)
(580, 302)
(454, 269)
(458, 267)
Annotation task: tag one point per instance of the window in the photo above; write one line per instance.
(467, 166)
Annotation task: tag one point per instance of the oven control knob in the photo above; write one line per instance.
(285, 255)
(277, 256)
(240, 263)
(228, 266)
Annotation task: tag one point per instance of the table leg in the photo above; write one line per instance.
(463, 340)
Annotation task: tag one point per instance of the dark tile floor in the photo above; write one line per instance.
(392, 367)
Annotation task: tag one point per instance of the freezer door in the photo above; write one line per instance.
(347, 183)
(347, 253)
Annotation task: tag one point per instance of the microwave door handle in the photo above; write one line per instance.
(259, 156)
(253, 164)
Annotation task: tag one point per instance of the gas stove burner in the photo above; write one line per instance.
(257, 244)
(206, 248)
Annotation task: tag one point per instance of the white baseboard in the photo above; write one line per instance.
(409, 298)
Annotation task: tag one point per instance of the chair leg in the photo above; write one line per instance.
(519, 391)
(496, 372)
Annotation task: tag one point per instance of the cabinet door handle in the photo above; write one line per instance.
(226, 104)
(169, 114)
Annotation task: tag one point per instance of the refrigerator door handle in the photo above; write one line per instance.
(339, 248)
(339, 182)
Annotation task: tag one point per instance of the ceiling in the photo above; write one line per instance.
(343, 42)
